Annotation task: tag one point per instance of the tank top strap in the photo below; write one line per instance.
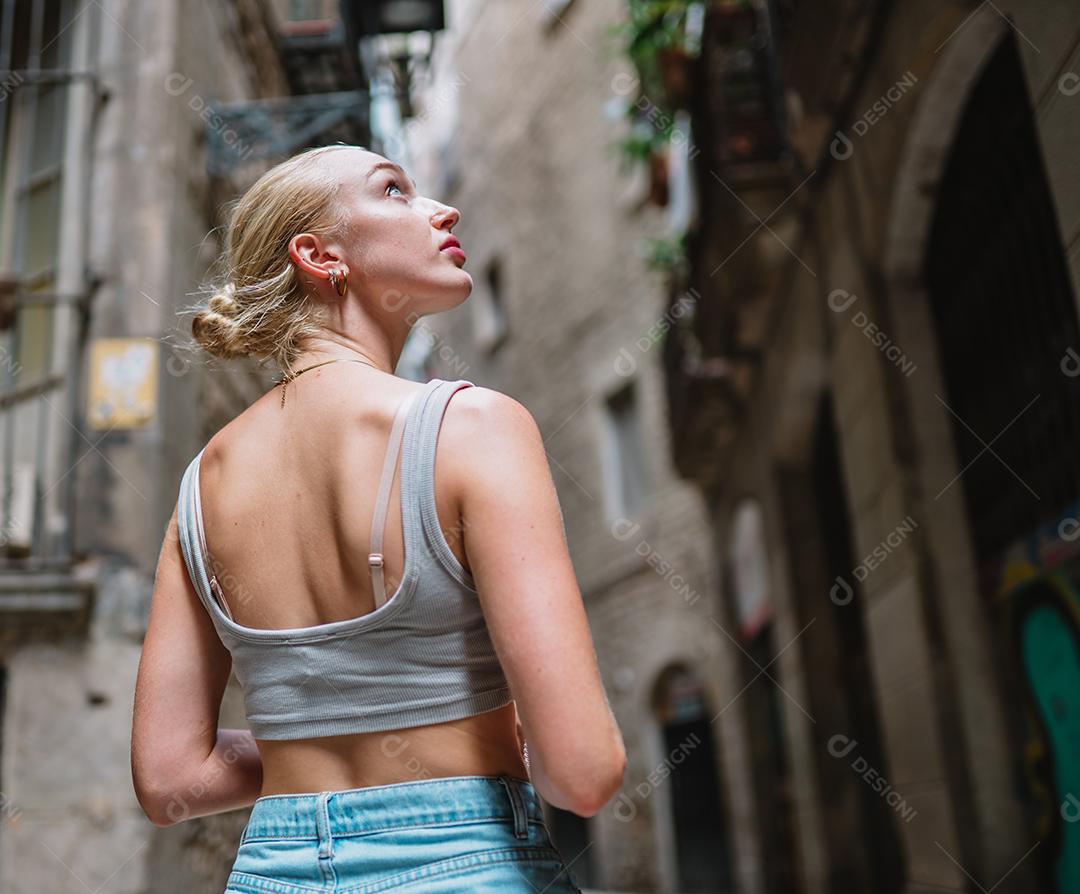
(418, 467)
(192, 538)
(422, 421)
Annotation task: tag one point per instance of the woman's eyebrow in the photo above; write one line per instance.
(386, 164)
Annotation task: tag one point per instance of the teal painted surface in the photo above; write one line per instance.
(1051, 657)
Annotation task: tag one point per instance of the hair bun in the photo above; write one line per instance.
(216, 328)
(256, 304)
(224, 300)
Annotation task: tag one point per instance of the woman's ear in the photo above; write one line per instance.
(312, 257)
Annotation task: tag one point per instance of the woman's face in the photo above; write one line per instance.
(394, 241)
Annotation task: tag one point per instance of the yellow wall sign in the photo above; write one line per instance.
(123, 383)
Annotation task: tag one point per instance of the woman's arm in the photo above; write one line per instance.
(182, 765)
(229, 778)
(517, 552)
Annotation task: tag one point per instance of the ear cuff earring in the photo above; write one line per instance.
(341, 286)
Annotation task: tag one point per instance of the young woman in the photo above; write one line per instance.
(381, 562)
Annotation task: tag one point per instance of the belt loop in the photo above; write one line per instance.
(322, 819)
(517, 804)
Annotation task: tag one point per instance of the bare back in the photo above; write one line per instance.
(288, 494)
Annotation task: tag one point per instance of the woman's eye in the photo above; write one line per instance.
(393, 185)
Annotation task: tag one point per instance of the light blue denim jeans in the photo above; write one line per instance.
(451, 834)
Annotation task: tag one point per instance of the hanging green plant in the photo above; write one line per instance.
(668, 255)
(656, 40)
(643, 141)
(661, 39)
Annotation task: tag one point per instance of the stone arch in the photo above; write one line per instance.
(929, 139)
(680, 706)
(979, 763)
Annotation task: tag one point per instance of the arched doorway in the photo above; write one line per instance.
(1004, 318)
(700, 838)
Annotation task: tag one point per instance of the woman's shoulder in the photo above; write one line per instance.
(482, 428)
(261, 423)
(479, 410)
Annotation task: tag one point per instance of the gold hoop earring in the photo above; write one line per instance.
(344, 283)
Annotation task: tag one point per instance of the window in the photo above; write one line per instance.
(623, 455)
(46, 122)
(33, 117)
(301, 10)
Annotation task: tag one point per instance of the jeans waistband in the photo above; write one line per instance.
(324, 815)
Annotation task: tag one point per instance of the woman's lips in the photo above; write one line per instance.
(455, 252)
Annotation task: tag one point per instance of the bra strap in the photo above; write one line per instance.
(375, 557)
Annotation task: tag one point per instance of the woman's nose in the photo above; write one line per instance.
(446, 217)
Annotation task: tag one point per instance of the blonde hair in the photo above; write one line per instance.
(259, 307)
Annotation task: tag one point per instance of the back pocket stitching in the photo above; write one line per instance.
(262, 883)
(452, 865)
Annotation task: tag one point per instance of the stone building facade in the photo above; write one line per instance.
(819, 488)
(517, 131)
(108, 226)
(872, 395)
(892, 306)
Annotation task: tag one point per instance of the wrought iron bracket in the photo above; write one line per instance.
(12, 79)
(244, 131)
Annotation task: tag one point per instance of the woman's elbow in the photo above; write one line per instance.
(156, 806)
(613, 784)
(160, 805)
(594, 790)
(159, 819)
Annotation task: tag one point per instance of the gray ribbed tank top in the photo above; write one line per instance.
(423, 656)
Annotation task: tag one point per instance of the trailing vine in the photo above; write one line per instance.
(659, 39)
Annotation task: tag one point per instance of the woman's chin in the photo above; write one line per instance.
(463, 287)
(448, 295)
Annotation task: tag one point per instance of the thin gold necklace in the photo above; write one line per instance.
(288, 377)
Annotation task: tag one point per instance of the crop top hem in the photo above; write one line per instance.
(376, 721)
